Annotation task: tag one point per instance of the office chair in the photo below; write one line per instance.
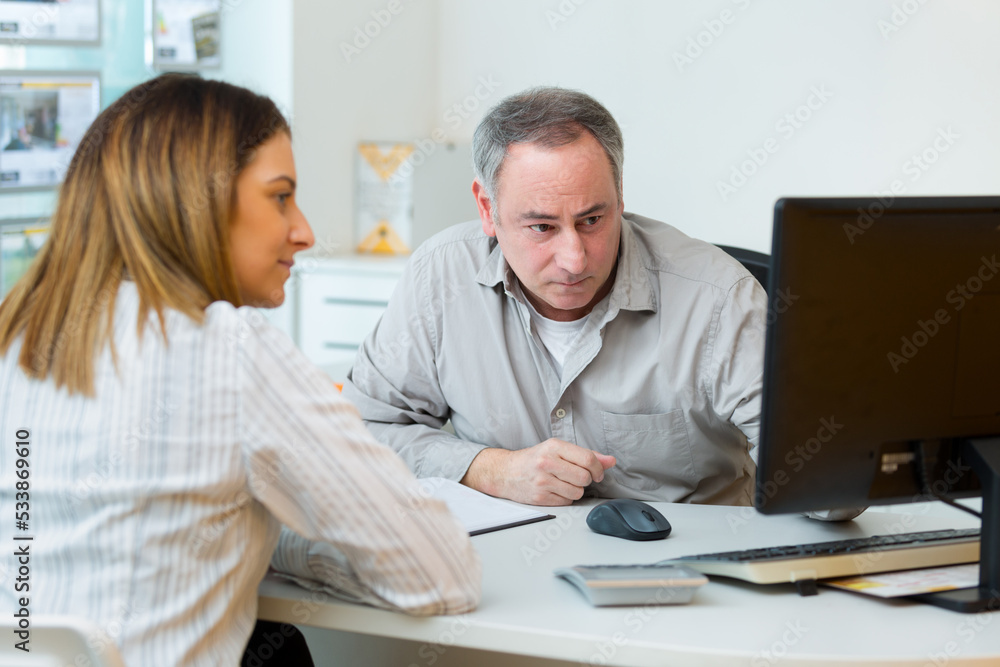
(757, 263)
(58, 640)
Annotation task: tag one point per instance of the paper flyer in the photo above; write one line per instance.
(911, 582)
(186, 33)
(384, 199)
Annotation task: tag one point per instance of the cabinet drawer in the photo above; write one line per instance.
(339, 302)
(349, 288)
(337, 326)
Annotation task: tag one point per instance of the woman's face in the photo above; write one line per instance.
(267, 228)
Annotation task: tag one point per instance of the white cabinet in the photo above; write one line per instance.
(337, 302)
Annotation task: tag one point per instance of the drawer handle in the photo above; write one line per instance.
(355, 302)
(341, 346)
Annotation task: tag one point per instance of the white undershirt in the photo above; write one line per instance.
(557, 337)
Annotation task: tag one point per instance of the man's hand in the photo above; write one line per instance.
(554, 472)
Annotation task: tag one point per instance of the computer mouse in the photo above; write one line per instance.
(628, 519)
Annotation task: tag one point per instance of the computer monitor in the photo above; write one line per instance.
(882, 361)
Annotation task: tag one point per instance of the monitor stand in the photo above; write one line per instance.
(984, 456)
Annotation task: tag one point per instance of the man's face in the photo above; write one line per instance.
(557, 219)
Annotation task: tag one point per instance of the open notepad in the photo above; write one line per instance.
(478, 512)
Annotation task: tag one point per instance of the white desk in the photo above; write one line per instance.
(526, 611)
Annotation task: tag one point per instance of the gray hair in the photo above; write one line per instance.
(548, 116)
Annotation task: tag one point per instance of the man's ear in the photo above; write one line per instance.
(485, 206)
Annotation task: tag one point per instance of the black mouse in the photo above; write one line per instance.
(628, 519)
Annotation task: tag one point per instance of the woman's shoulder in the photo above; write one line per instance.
(246, 323)
(224, 332)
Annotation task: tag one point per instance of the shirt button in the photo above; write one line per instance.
(560, 413)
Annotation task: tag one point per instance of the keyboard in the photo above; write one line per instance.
(840, 558)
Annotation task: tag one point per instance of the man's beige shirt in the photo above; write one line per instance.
(666, 374)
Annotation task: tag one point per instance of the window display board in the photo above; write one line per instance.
(50, 22)
(43, 116)
(20, 241)
(185, 34)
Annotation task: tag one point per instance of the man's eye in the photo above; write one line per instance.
(592, 220)
(541, 227)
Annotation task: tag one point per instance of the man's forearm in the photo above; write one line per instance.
(427, 451)
(485, 471)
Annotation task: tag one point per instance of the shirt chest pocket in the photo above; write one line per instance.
(653, 451)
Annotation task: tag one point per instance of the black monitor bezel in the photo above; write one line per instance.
(981, 451)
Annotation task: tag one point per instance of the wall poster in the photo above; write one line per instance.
(185, 34)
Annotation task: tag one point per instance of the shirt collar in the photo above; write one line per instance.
(633, 288)
(495, 269)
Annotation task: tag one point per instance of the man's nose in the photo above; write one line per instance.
(571, 256)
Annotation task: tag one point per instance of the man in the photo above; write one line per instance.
(573, 347)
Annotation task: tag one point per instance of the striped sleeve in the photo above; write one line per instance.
(357, 521)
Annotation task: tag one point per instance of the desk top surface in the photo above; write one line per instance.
(527, 610)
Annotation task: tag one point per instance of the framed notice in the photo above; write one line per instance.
(50, 22)
(43, 116)
(384, 198)
(185, 34)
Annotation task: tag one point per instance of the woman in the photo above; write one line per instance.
(172, 433)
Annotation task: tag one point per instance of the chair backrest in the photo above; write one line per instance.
(757, 263)
(56, 641)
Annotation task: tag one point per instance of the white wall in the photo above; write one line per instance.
(257, 48)
(893, 74)
(385, 91)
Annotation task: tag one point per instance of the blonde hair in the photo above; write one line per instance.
(148, 196)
